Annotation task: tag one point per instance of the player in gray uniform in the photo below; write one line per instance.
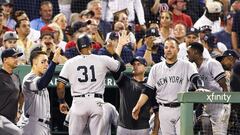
(86, 75)
(36, 97)
(110, 116)
(213, 75)
(168, 78)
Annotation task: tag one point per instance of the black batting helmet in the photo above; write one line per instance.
(84, 41)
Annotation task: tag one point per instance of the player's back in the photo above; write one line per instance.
(86, 73)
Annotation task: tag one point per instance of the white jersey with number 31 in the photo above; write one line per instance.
(86, 73)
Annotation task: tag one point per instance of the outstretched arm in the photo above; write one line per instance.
(142, 100)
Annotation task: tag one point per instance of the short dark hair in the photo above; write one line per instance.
(171, 38)
(18, 13)
(34, 54)
(197, 46)
(45, 2)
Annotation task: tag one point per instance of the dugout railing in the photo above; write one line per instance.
(188, 99)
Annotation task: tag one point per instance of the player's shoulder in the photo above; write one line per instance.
(212, 61)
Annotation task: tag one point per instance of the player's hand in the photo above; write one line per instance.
(57, 55)
(202, 90)
(63, 108)
(135, 112)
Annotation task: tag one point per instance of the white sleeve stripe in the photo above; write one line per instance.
(63, 80)
(149, 86)
(120, 77)
(193, 76)
(220, 76)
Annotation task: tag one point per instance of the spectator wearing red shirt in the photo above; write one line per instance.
(178, 6)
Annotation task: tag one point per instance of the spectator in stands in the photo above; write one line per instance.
(103, 26)
(116, 43)
(178, 6)
(179, 32)
(122, 16)
(191, 36)
(153, 9)
(3, 28)
(7, 12)
(203, 31)
(20, 15)
(10, 41)
(151, 50)
(211, 17)
(165, 25)
(58, 36)
(133, 7)
(46, 12)
(214, 47)
(61, 20)
(23, 29)
(224, 36)
(236, 32)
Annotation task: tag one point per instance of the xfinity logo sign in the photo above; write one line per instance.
(218, 97)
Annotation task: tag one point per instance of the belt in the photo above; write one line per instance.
(96, 95)
(172, 105)
(40, 120)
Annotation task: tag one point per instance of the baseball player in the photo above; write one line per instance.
(36, 97)
(213, 75)
(130, 89)
(10, 93)
(168, 78)
(110, 116)
(86, 75)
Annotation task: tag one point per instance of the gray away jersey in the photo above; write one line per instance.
(211, 71)
(170, 81)
(86, 73)
(36, 101)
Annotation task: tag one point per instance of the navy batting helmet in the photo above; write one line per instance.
(84, 42)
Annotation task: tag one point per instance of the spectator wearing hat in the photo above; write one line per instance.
(203, 31)
(211, 16)
(10, 41)
(191, 37)
(236, 32)
(214, 47)
(23, 29)
(117, 43)
(224, 36)
(8, 21)
(46, 12)
(21, 15)
(152, 49)
(178, 6)
(10, 95)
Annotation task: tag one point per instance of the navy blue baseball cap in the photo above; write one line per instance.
(191, 31)
(84, 41)
(228, 52)
(114, 35)
(140, 59)
(210, 39)
(10, 53)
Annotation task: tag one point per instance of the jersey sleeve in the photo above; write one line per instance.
(111, 64)
(192, 71)
(151, 78)
(64, 74)
(31, 83)
(216, 70)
